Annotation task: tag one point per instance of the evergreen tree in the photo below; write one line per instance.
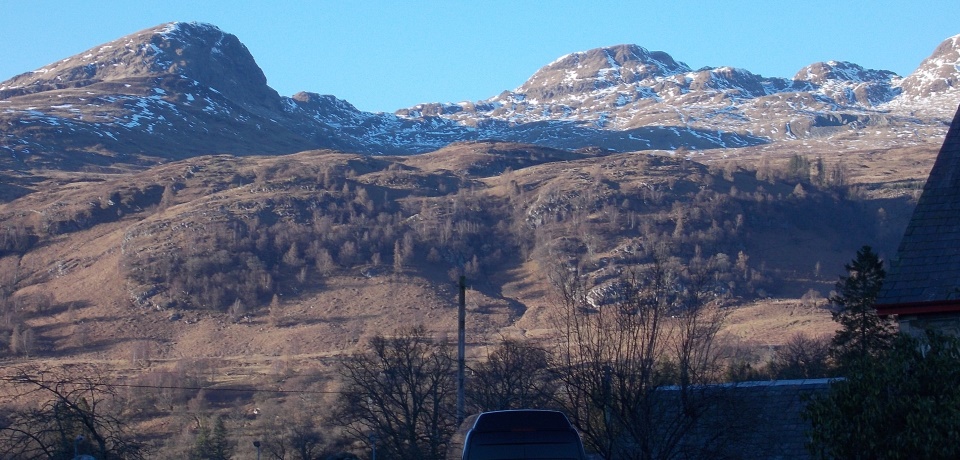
(798, 168)
(821, 174)
(862, 333)
(904, 404)
(220, 446)
(201, 445)
(212, 445)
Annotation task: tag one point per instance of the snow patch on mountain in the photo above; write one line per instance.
(149, 91)
(934, 88)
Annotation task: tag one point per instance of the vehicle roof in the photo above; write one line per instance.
(521, 420)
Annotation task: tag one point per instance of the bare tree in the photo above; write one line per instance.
(802, 357)
(56, 414)
(289, 431)
(516, 375)
(400, 395)
(22, 340)
(632, 356)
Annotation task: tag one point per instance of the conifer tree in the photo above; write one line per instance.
(220, 445)
(212, 444)
(903, 404)
(201, 445)
(863, 334)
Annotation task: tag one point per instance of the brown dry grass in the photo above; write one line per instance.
(81, 269)
(92, 321)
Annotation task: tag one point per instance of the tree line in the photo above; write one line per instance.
(330, 220)
(631, 368)
(289, 224)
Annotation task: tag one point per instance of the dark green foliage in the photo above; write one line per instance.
(902, 404)
(798, 169)
(212, 444)
(863, 334)
(201, 446)
(221, 446)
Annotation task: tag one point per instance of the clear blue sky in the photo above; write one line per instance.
(386, 55)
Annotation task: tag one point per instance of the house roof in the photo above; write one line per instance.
(925, 275)
(752, 419)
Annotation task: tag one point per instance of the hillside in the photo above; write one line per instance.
(169, 219)
(351, 245)
(109, 213)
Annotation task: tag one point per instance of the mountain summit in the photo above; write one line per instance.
(599, 69)
(185, 89)
(171, 91)
(938, 73)
(200, 54)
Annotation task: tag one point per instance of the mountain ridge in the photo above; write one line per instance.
(137, 99)
(127, 242)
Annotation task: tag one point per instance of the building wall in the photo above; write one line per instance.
(915, 325)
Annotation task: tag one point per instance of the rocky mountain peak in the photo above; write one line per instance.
(820, 73)
(325, 106)
(847, 84)
(200, 54)
(731, 82)
(599, 68)
(313, 99)
(938, 73)
(204, 53)
(183, 89)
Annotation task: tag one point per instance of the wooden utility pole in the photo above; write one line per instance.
(461, 347)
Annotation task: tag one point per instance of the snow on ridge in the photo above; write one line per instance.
(170, 28)
(614, 65)
(181, 27)
(728, 71)
(561, 58)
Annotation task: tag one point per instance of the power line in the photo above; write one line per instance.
(170, 387)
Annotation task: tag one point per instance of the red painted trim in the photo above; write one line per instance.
(919, 308)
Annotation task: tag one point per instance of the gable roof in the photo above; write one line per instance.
(925, 275)
(752, 419)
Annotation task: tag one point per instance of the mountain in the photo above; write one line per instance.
(144, 94)
(624, 87)
(184, 89)
(938, 73)
(849, 84)
(128, 243)
(935, 83)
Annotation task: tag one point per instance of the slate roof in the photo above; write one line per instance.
(753, 420)
(926, 270)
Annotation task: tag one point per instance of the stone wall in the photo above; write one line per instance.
(915, 325)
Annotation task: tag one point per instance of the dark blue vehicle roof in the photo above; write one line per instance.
(521, 420)
(523, 434)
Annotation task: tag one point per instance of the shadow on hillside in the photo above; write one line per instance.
(571, 135)
(101, 344)
(293, 321)
(516, 308)
(231, 396)
(64, 307)
(492, 287)
(10, 192)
